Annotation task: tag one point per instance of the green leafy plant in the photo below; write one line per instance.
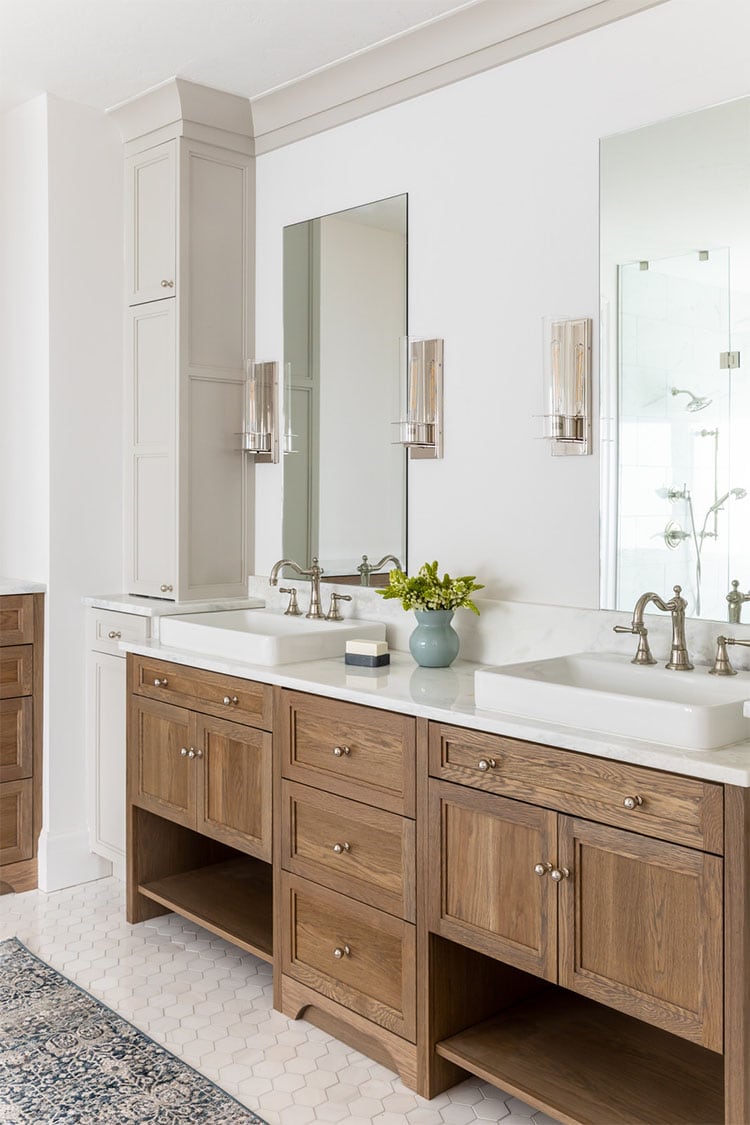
(426, 590)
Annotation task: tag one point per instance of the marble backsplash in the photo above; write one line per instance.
(512, 631)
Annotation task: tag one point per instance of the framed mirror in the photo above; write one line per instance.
(675, 361)
(344, 476)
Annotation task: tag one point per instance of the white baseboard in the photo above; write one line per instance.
(65, 860)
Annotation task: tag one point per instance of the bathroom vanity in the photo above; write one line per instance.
(448, 890)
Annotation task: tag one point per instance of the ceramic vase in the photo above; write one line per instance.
(434, 643)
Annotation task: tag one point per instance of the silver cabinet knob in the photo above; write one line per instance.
(183, 752)
(165, 589)
(228, 701)
(114, 634)
(167, 284)
(191, 753)
(557, 874)
(341, 751)
(161, 683)
(486, 764)
(633, 802)
(542, 868)
(199, 753)
(341, 951)
(339, 848)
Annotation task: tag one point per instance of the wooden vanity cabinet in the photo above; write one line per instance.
(200, 801)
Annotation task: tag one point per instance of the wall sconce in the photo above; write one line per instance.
(567, 378)
(420, 425)
(260, 434)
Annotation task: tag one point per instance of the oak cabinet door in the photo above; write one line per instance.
(151, 186)
(484, 892)
(641, 928)
(234, 785)
(164, 778)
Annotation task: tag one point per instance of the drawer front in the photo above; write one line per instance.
(365, 853)
(16, 834)
(357, 752)
(353, 954)
(16, 738)
(16, 619)
(682, 810)
(16, 671)
(240, 701)
(105, 628)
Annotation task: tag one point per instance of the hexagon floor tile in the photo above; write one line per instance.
(210, 1003)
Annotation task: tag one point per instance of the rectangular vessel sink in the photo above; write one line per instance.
(606, 692)
(260, 636)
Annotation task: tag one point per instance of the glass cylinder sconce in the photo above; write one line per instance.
(260, 423)
(420, 425)
(289, 443)
(567, 391)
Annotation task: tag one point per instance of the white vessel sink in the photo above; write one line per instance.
(606, 692)
(260, 636)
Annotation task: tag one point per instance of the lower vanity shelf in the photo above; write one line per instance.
(583, 1063)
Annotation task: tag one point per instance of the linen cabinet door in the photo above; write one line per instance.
(492, 890)
(161, 771)
(150, 246)
(234, 794)
(641, 928)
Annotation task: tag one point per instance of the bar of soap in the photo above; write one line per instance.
(364, 660)
(367, 648)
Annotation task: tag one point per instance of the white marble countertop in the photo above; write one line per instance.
(17, 586)
(161, 607)
(447, 695)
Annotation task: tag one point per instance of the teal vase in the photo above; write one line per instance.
(434, 643)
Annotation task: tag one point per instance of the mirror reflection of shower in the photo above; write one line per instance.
(674, 536)
(695, 403)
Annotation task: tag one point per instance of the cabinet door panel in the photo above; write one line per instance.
(106, 712)
(16, 619)
(234, 801)
(16, 671)
(151, 202)
(641, 928)
(487, 894)
(165, 778)
(16, 831)
(16, 738)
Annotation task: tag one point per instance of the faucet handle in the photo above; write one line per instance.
(292, 610)
(334, 613)
(722, 664)
(643, 652)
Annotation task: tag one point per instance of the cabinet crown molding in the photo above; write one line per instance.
(181, 108)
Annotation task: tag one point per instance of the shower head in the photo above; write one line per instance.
(738, 493)
(695, 402)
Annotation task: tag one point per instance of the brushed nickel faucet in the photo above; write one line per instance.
(679, 658)
(366, 568)
(313, 572)
(735, 601)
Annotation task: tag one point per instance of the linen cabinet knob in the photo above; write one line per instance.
(633, 802)
(165, 589)
(167, 284)
(340, 952)
(341, 751)
(339, 848)
(114, 634)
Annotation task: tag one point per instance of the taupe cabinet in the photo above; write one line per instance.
(570, 928)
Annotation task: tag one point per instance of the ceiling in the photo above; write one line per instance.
(101, 52)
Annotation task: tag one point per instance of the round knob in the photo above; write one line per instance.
(557, 874)
(165, 589)
(339, 848)
(227, 700)
(487, 764)
(633, 802)
(542, 868)
(191, 753)
(341, 751)
(198, 754)
(160, 683)
(341, 951)
(183, 752)
(114, 634)
(167, 284)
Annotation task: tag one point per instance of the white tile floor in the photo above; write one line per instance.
(210, 1003)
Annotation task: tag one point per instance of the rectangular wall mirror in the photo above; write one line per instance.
(345, 292)
(675, 360)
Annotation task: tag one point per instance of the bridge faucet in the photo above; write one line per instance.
(679, 658)
(313, 572)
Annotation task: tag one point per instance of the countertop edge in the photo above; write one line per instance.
(13, 586)
(141, 606)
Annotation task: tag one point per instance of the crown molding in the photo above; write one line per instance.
(177, 107)
(474, 39)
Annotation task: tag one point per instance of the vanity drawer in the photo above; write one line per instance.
(344, 748)
(353, 954)
(242, 701)
(16, 833)
(362, 852)
(682, 810)
(16, 619)
(16, 671)
(16, 738)
(105, 628)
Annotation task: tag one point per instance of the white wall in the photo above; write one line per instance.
(502, 175)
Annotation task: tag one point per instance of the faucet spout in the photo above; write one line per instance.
(312, 572)
(679, 658)
(273, 578)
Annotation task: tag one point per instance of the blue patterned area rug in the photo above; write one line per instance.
(66, 1059)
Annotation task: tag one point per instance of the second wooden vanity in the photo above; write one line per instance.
(569, 927)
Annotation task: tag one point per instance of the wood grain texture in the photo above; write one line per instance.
(16, 738)
(298, 1000)
(376, 862)
(641, 928)
(17, 626)
(683, 810)
(16, 821)
(585, 1064)
(737, 956)
(379, 766)
(16, 671)
(375, 978)
(164, 779)
(488, 896)
(15, 878)
(38, 715)
(234, 800)
(203, 691)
